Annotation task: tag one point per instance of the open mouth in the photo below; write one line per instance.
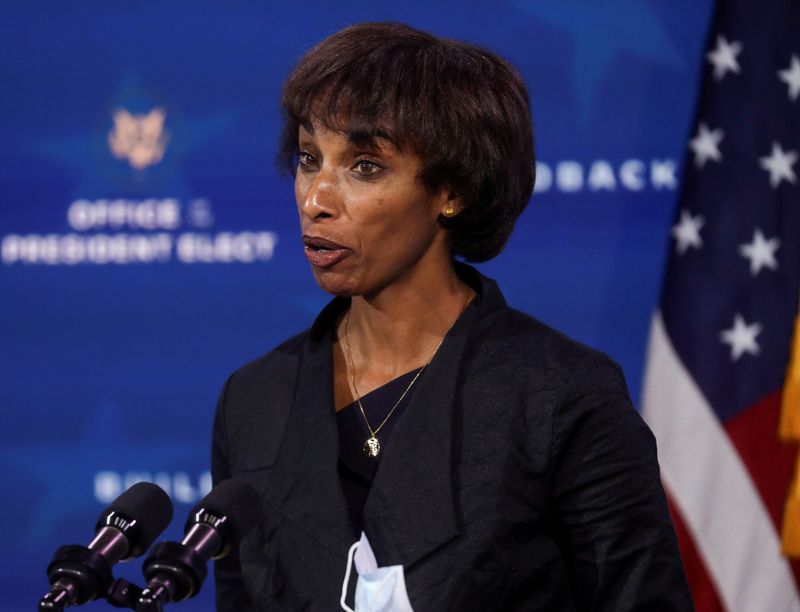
(316, 243)
(323, 253)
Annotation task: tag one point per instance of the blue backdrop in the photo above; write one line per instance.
(149, 246)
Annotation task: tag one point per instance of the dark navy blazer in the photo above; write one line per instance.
(519, 477)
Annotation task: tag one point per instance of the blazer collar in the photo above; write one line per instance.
(411, 509)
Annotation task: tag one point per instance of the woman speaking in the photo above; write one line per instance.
(490, 462)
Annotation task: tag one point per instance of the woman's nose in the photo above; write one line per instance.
(321, 199)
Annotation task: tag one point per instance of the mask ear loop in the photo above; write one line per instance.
(350, 555)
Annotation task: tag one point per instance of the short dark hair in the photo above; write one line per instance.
(462, 109)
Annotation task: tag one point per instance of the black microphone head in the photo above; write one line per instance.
(236, 507)
(141, 513)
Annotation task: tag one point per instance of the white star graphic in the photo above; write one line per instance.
(687, 232)
(723, 57)
(760, 252)
(791, 76)
(706, 145)
(779, 165)
(741, 337)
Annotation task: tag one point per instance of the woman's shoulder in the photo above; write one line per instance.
(275, 365)
(253, 407)
(508, 339)
(523, 342)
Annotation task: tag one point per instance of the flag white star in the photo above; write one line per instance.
(791, 76)
(706, 145)
(687, 232)
(741, 337)
(723, 57)
(760, 252)
(779, 165)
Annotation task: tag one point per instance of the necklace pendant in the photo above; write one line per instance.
(372, 447)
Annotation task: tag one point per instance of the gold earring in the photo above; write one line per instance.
(450, 211)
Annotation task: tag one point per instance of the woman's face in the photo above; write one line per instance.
(367, 220)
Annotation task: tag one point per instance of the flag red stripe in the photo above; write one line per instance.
(704, 593)
(770, 462)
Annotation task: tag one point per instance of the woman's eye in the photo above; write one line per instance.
(306, 161)
(366, 167)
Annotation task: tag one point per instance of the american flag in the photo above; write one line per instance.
(722, 389)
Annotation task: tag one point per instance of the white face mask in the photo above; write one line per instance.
(378, 589)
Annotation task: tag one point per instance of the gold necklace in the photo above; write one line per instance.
(372, 447)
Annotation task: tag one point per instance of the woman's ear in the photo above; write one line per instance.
(453, 205)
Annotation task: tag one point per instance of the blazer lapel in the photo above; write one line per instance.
(411, 508)
(305, 484)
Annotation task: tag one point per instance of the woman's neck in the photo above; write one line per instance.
(399, 328)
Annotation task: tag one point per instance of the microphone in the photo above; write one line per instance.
(215, 526)
(125, 529)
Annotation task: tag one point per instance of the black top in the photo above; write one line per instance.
(356, 469)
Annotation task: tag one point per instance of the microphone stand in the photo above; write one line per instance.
(175, 572)
(75, 573)
(77, 570)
